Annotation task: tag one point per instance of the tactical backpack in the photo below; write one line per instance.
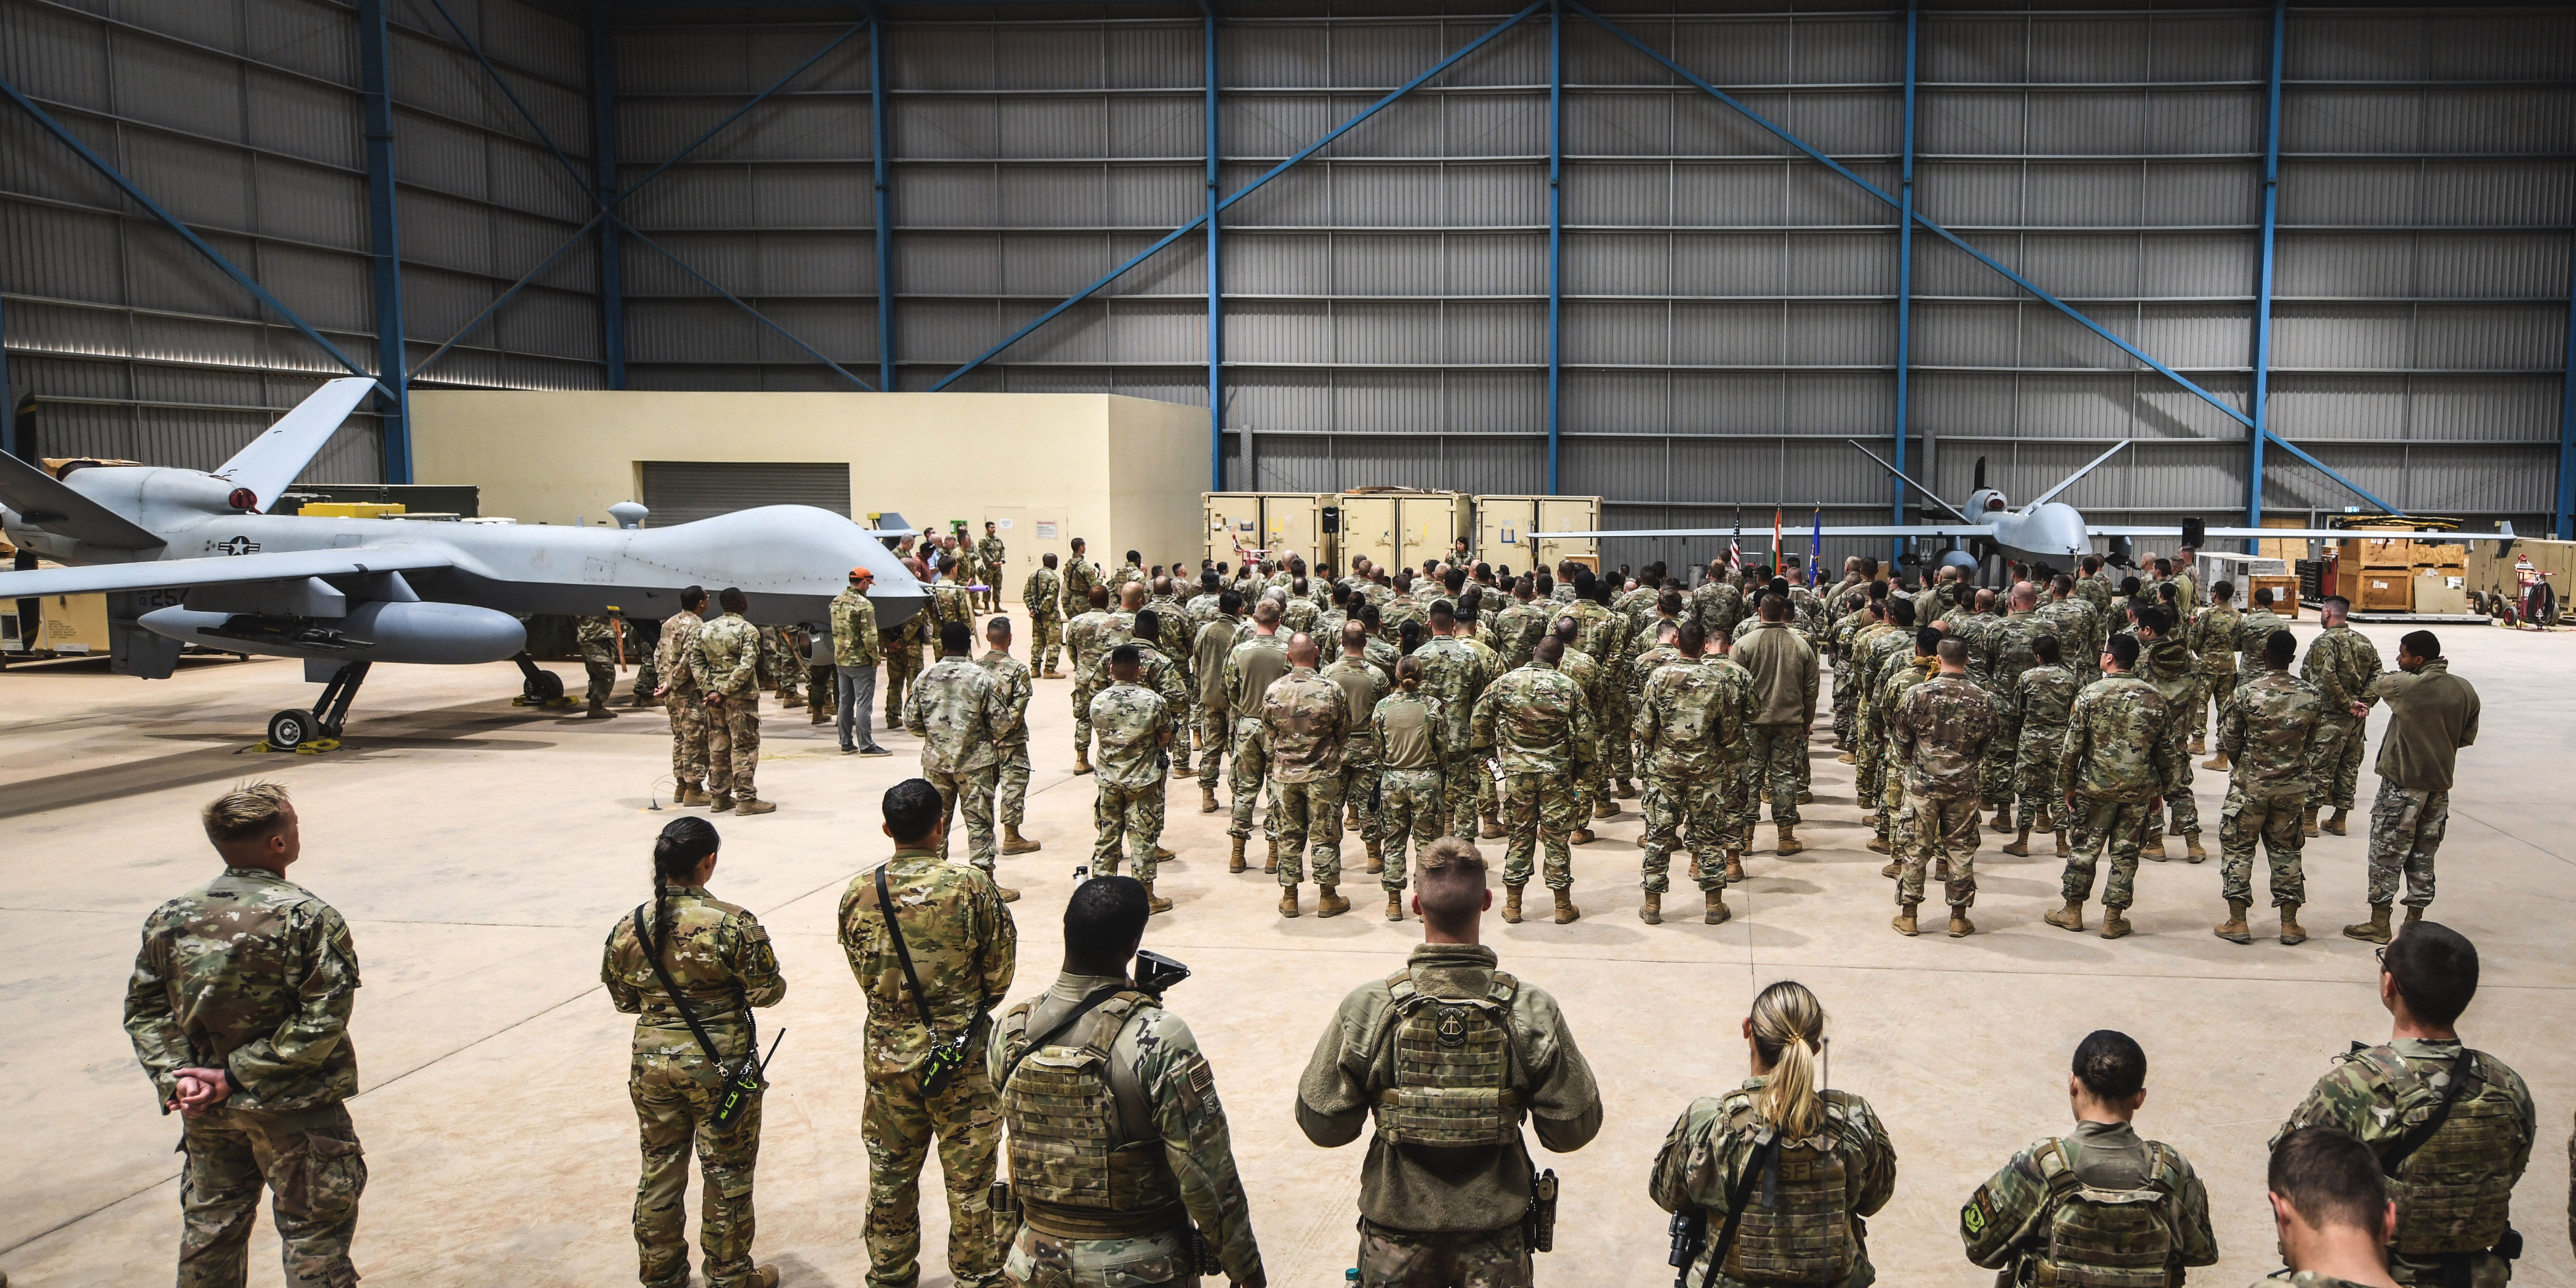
(2454, 1186)
(1063, 1120)
(1795, 1225)
(2100, 1238)
(1453, 1067)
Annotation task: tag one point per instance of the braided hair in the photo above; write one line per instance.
(684, 844)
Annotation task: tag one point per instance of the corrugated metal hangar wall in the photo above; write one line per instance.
(1727, 306)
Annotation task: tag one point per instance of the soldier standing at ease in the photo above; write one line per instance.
(1305, 719)
(1539, 727)
(1690, 735)
(2330, 1211)
(1086, 642)
(2043, 697)
(2164, 662)
(959, 713)
(1135, 728)
(1784, 688)
(718, 958)
(1453, 677)
(962, 950)
(2342, 663)
(1042, 593)
(1099, 1202)
(598, 641)
(2211, 636)
(902, 648)
(1408, 737)
(2102, 1206)
(2453, 1127)
(1941, 732)
(1209, 649)
(1011, 769)
(990, 552)
(2115, 769)
(644, 644)
(1259, 657)
(2431, 715)
(1362, 684)
(1820, 1159)
(855, 654)
(724, 663)
(1081, 575)
(684, 700)
(238, 1009)
(1448, 1055)
(2269, 734)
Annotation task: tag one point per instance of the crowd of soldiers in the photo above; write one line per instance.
(2397, 1168)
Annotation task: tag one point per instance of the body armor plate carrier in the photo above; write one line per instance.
(1453, 1067)
(2454, 1191)
(1796, 1227)
(1073, 1175)
(2100, 1238)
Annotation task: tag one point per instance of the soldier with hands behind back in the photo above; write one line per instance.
(2270, 732)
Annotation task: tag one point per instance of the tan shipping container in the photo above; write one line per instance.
(1428, 527)
(1292, 523)
(1504, 524)
(1233, 523)
(1369, 528)
(1569, 514)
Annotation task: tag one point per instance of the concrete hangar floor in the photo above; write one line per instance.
(481, 852)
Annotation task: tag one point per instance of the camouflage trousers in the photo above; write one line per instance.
(2273, 820)
(1686, 811)
(314, 1171)
(599, 662)
(2406, 827)
(1412, 803)
(2121, 825)
(1037, 1260)
(2216, 688)
(1391, 1258)
(1539, 810)
(2181, 810)
(1251, 765)
(1618, 754)
(902, 667)
(2334, 771)
(733, 745)
(675, 1093)
(898, 1124)
(2035, 780)
(1134, 814)
(1309, 816)
(1805, 762)
(1046, 642)
(1011, 785)
(822, 693)
(648, 674)
(1083, 692)
(1777, 752)
(1869, 777)
(1930, 828)
(968, 792)
(778, 662)
(1996, 769)
(1466, 791)
(1846, 705)
(1360, 798)
(1488, 797)
(1215, 732)
(688, 709)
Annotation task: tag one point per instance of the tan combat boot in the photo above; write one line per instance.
(1155, 903)
(1490, 829)
(1846, 759)
(1376, 856)
(2200, 745)
(2234, 930)
(1395, 905)
(2308, 821)
(2115, 923)
(1653, 912)
(1960, 926)
(2155, 853)
(1788, 840)
(1904, 923)
(761, 1277)
(2218, 762)
(2065, 849)
(1717, 912)
(2373, 931)
(2019, 846)
(1234, 861)
(1207, 800)
(1892, 870)
(1287, 901)
(1008, 893)
(1329, 901)
(1271, 864)
(2003, 819)
(1581, 836)
(816, 714)
(1734, 866)
(1512, 905)
(1627, 790)
(2334, 825)
(2413, 915)
(1605, 808)
(745, 805)
(790, 699)
(2191, 851)
(1565, 909)
(693, 794)
(2291, 931)
(2070, 917)
(1014, 843)
(1941, 869)
(1879, 845)
(721, 804)
(1162, 855)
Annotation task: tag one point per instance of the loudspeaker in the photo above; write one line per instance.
(1330, 518)
(2194, 532)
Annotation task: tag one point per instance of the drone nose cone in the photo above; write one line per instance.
(2056, 529)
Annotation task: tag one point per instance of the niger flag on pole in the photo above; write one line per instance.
(1775, 541)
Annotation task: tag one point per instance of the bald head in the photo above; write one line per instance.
(1986, 600)
(1301, 649)
(1565, 631)
(1550, 650)
(1162, 586)
(1131, 596)
(2024, 597)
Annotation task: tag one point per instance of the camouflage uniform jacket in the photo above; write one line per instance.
(1586, 673)
(2165, 663)
(1327, 627)
(593, 630)
(1889, 651)
(679, 646)
(1089, 638)
(2254, 626)
(1878, 725)
(963, 945)
(1718, 606)
(1841, 639)
(1362, 684)
(1691, 719)
(252, 974)
(2097, 591)
(1643, 665)
(953, 603)
(1011, 684)
(1299, 617)
(2009, 1217)
(1118, 580)
(1163, 676)
(1256, 662)
(2342, 662)
(2043, 700)
(1306, 718)
(958, 711)
(1201, 609)
(1516, 632)
(1597, 631)
(725, 657)
(1454, 676)
(2270, 728)
(1537, 721)
(992, 555)
(1208, 653)
(1942, 731)
(1080, 575)
(2116, 749)
(1130, 720)
(854, 630)
(2212, 638)
(1043, 592)
(1381, 654)
(1407, 730)
(1717, 1137)
(1400, 609)
(715, 951)
(2009, 652)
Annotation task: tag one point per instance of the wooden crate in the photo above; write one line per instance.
(2383, 590)
(2285, 592)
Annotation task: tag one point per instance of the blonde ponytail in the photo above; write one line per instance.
(1789, 1033)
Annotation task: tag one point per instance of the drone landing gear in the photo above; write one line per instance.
(319, 729)
(543, 688)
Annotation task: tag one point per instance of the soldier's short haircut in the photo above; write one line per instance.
(2423, 644)
(1927, 641)
(1266, 612)
(1370, 615)
(2278, 647)
(1549, 649)
(2263, 597)
(2169, 593)
(1778, 586)
(2044, 647)
(2062, 584)
(1900, 610)
(947, 563)
(1443, 611)
(2092, 564)
(2129, 585)
(1985, 598)
(1228, 602)
(2330, 1178)
(1449, 878)
(1077, 543)
(1952, 650)
(955, 637)
(1341, 594)
(2436, 969)
(2335, 604)
(1670, 601)
(1691, 638)
(2164, 567)
(912, 808)
(1126, 655)
(1354, 638)
(1564, 628)
(2224, 590)
(1877, 589)
(2111, 1065)
(1208, 580)
(1104, 918)
(692, 596)
(1775, 606)
(1098, 596)
(1048, 559)
(733, 601)
(1666, 628)
(1455, 579)
(2124, 650)
(1135, 556)
(1149, 624)
(246, 813)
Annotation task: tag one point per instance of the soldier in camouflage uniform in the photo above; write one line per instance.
(1941, 731)
(1446, 1184)
(724, 664)
(778, 667)
(856, 650)
(1841, 642)
(1901, 669)
(1485, 816)
(993, 564)
(1258, 658)
(1833, 1166)
(2269, 732)
(1011, 770)
(1042, 592)
(2008, 654)
(1089, 638)
(1591, 794)
(1739, 799)
(238, 1010)
(1718, 604)
(2166, 663)
(1691, 724)
(964, 951)
(2042, 699)
(720, 958)
(2331, 1214)
(2078, 627)
(1362, 684)
(1305, 719)
(1602, 636)
(1168, 675)
(2453, 1185)
(598, 641)
(1130, 573)
(1519, 627)
(1098, 1202)
(2102, 1205)
(960, 714)
(1408, 739)
(1784, 687)
(1453, 678)
(2341, 665)
(2211, 637)
(2116, 766)
(644, 636)
(1539, 726)
(2255, 626)
(902, 648)
(1080, 576)
(1135, 727)
(2431, 715)
(686, 702)
(1212, 643)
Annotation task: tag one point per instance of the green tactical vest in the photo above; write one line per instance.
(1453, 1068)
(1796, 1227)
(2100, 1238)
(1065, 1146)
(2455, 1192)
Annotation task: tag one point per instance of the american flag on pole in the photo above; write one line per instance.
(1735, 544)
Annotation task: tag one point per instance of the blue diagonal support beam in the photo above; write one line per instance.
(735, 115)
(740, 303)
(1246, 191)
(504, 297)
(187, 234)
(574, 172)
(1921, 220)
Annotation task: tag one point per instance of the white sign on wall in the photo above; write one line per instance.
(1046, 530)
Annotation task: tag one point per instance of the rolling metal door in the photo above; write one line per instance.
(680, 491)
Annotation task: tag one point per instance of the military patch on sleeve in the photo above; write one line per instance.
(1202, 1077)
(763, 959)
(1978, 1213)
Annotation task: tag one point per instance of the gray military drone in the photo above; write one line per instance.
(187, 557)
